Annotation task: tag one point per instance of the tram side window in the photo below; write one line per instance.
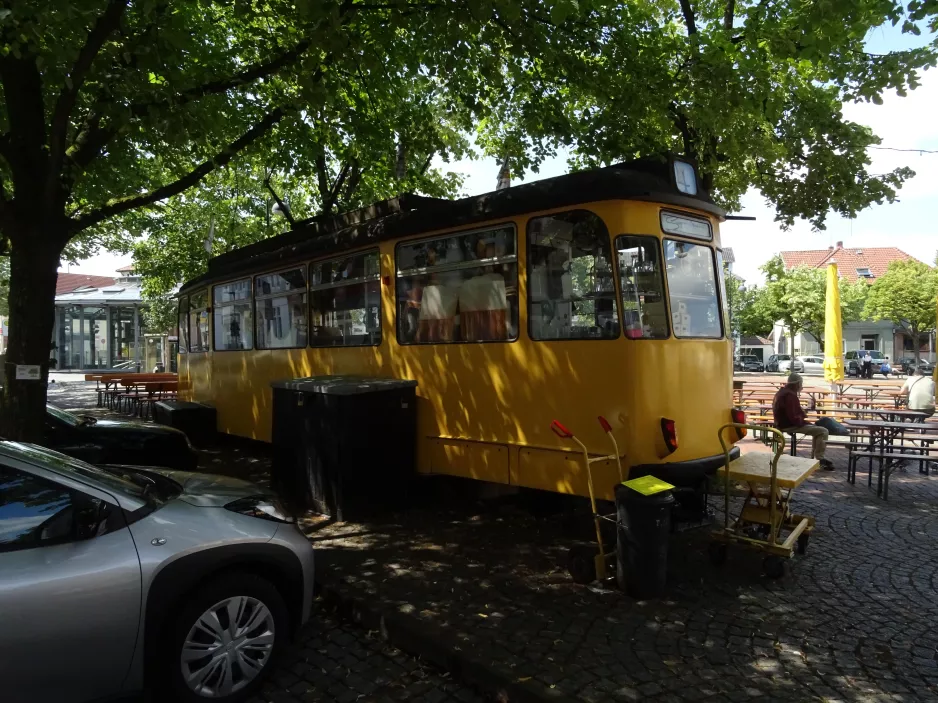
(182, 321)
(461, 288)
(280, 305)
(198, 322)
(644, 312)
(232, 310)
(692, 286)
(571, 294)
(345, 301)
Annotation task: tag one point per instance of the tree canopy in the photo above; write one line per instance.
(905, 295)
(797, 297)
(109, 107)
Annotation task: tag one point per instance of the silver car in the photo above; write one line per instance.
(116, 579)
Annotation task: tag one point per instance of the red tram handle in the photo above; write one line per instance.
(604, 423)
(560, 430)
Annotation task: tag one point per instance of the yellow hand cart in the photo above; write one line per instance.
(766, 514)
(588, 564)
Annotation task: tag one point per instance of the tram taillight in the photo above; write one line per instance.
(669, 433)
(739, 417)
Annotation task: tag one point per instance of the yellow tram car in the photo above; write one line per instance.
(595, 293)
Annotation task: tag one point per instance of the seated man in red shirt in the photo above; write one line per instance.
(789, 417)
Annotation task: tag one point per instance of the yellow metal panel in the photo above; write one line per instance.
(483, 462)
(564, 472)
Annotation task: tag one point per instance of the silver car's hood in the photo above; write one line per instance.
(208, 490)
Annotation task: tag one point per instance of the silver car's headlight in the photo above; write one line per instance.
(263, 507)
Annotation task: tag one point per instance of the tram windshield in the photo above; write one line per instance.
(692, 288)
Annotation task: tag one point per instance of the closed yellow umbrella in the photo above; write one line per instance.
(833, 330)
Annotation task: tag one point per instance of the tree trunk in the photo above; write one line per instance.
(34, 262)
(916, 344)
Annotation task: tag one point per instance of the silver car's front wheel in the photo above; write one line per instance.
(227, 647)
(223, 640)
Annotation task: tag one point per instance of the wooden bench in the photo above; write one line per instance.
(922, 454)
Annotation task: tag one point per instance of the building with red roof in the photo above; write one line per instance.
(853, 264)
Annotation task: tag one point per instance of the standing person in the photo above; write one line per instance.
(790, 417)
(867, 365)
(919, 390)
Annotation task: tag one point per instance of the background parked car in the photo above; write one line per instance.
(811, 365)
(773, 362)
(785, 365)
(853, 361)
(907, 365)
(749, 363)
(116, 441)
(119, 576)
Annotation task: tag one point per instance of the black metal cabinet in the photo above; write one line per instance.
(344, 446)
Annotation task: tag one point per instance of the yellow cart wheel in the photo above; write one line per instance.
(774, 566)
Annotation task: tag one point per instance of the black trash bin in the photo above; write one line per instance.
(344, 446)
(198, 421)
(643, 534)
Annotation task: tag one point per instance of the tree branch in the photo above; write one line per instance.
(94, 136)
(353, 180)
(426, 164)
(688, 13)
(322, 177)
(221, 85)
(336, 187)
(283, 208)
(728, 15)
(106, 24)
(119, 205)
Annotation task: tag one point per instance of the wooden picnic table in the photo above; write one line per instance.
(136, 402)
(886, 444)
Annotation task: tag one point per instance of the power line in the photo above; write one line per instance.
(916, 151)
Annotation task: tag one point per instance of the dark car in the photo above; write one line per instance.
(117, 442)
(749, 363)
(772, 363)
(907, 365)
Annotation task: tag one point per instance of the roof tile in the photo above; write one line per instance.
(67, 282)
(848, 260)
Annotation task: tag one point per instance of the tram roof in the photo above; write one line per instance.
(645, 179)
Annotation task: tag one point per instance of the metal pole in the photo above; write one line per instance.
(137, 337)
(81, 337)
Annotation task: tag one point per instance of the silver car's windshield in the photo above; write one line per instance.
(107, 479)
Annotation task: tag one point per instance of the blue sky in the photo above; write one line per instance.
(909, 223)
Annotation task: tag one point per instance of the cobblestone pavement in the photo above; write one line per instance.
(853, 620)
(338, 662)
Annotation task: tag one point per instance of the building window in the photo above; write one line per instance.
(692, 288)
(644, 312)
(232, 311)
(198, 322)
(345, 301)
(183, 323)
(864, 273)
(571, 294)
(460, 288)
(280, 306)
